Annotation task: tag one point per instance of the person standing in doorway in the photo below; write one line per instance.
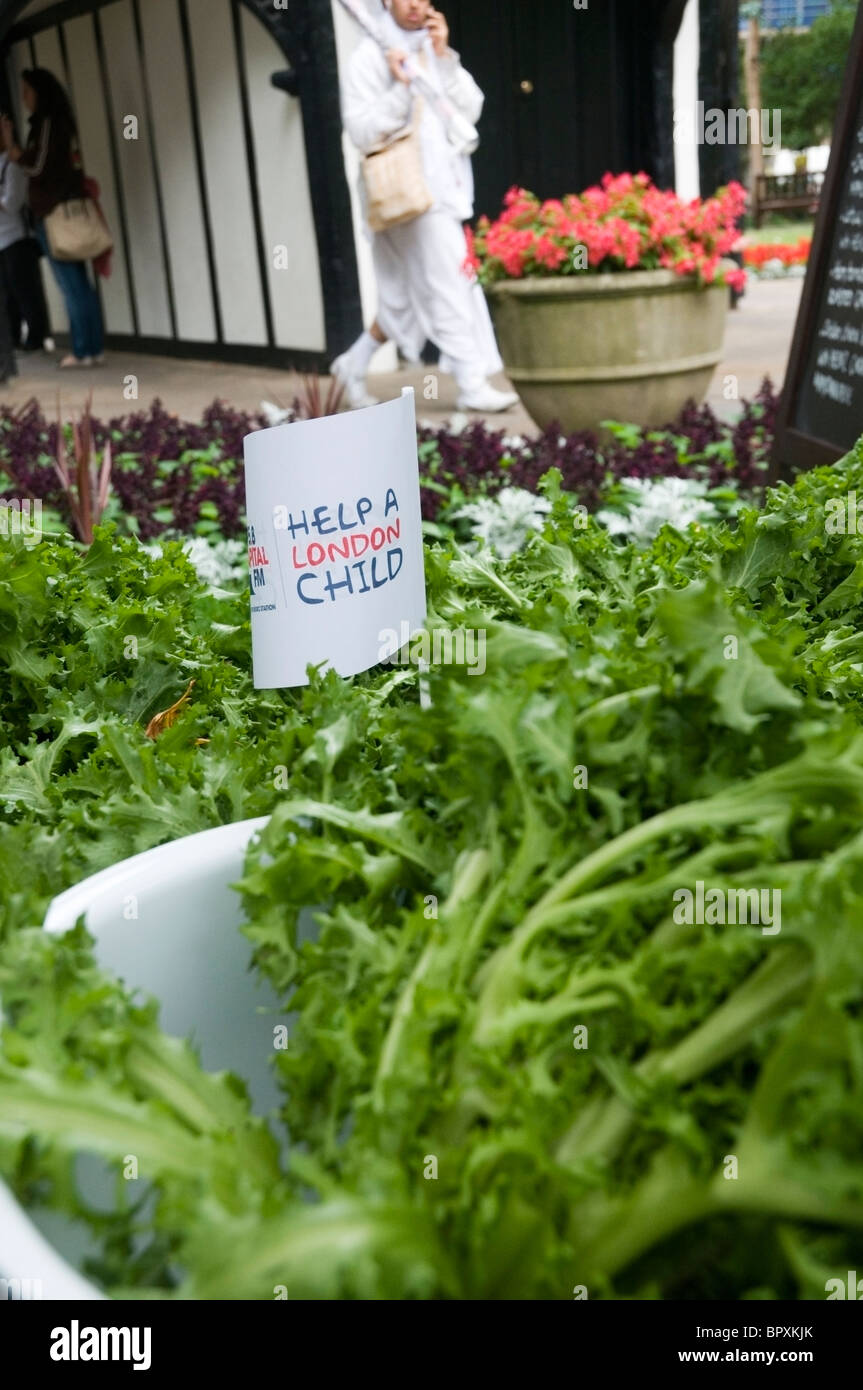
(20, 279)
(424, 292)
(52, 163)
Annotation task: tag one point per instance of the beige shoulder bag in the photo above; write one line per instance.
(75, 229)
(396, 188)
(76, 232)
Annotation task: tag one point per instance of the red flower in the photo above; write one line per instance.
(623, 223)
(471, 263)
(548, 253)
(759, 254)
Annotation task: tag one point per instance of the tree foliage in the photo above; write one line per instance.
(802, 75)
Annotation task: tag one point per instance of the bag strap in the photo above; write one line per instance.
(403, 133)
(419, 102)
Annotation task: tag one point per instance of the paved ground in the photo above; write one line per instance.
(757, 341)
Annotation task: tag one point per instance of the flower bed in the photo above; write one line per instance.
(172, 476)
(168, 474)
(773, 257)
(499, 865)
(697, 445)
(627, 223)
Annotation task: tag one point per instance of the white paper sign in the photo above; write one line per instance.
(335, 540)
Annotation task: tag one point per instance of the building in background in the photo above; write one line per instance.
(789, 14)
(213, 128)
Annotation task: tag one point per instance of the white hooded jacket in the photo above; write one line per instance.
(375, 107)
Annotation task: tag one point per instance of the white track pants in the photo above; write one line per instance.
(424, 294)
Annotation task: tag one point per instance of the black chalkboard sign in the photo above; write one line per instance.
(821, 411)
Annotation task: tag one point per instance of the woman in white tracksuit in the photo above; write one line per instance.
(423, 290)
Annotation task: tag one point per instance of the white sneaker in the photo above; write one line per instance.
(354, 386)
(487, 399)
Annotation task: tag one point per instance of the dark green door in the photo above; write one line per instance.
(569, 92)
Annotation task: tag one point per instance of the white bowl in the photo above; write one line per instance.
(165, 922)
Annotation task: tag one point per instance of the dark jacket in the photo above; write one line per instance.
(52, 160)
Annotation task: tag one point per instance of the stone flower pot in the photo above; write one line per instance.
(633, 346)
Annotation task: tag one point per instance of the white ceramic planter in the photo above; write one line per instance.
(167, 923)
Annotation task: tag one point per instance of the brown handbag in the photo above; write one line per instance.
(395, 184)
